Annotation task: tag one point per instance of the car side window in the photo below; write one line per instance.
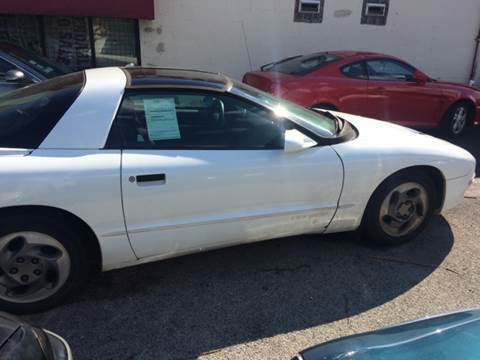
(356, 71)
(189, 120)
(389, 70)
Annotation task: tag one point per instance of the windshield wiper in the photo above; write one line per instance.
(339, 123)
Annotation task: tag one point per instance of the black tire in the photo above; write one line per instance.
(68, 236)
(451, 126)
(372, 231)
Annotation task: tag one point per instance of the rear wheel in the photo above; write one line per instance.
(399, 209)
(457, 119)
(41, 264)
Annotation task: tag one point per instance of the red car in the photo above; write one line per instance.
(372, 85)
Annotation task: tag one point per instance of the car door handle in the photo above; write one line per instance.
(151, 178)
(380, 88)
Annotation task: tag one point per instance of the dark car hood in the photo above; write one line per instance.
(432, 338)
(21, 341)
(8, 326)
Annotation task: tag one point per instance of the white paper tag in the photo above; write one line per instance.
(161, 118)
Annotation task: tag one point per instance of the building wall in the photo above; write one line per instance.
(235, 36)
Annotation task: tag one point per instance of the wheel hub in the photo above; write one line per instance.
(405, 210)
(26, 269)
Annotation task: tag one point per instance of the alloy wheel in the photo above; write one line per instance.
(33, 266)
(459, 120)
(404, 209)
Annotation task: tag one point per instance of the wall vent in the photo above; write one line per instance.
(374, 12)
(309, 11)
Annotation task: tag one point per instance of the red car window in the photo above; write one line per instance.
(305, 64)
(356, 70)
(389, 70)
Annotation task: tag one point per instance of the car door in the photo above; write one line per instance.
(351, 88)
(394, 95)
(203, 170)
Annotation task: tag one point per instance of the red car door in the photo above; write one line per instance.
(350, 89)
(394, 95)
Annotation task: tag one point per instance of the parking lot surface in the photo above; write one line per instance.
(269, 300)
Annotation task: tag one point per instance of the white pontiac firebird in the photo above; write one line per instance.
(114, 167)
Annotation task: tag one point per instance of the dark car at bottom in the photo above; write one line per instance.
(446, 337)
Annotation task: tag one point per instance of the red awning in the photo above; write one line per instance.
(141, 9)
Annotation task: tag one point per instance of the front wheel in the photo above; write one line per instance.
(41, 263)
(399, 209)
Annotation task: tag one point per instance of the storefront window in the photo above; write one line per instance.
(21, 30)
(77, 42)
(67, 41)
(115, 41)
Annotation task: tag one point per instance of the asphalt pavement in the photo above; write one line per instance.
(271, 299)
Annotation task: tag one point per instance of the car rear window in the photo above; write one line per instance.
(304, 65)
(29, 114)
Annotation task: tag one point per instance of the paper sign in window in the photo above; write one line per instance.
(161, 117)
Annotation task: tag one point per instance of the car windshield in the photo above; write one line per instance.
(303, 65)
(313, 121)
(38, 63)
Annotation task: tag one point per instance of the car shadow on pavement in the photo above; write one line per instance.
(184, 307)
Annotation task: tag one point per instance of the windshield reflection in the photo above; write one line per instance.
(313, 121)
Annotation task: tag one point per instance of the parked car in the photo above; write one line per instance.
(373, 85)
(134, 165)
(22, 341)
(19, 67)
(449, 336)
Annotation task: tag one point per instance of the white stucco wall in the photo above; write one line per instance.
(221, 35)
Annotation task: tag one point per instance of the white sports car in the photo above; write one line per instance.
(114, 167)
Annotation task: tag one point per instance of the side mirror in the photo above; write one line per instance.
(14, 76)
(420, 77)
(296, 141)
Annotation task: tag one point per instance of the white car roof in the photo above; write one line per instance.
(86, 124)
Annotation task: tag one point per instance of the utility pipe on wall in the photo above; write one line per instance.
(475, 57)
